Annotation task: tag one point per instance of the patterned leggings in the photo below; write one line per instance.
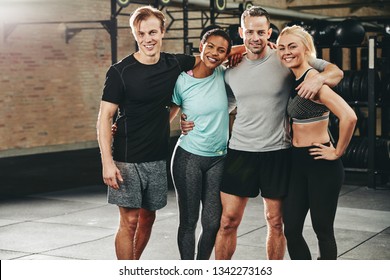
(197, 182)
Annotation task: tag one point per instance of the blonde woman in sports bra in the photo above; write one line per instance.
(317, 172)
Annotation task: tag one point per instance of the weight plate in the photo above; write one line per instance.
(354, 155)
(364, 87)
(356, 85)
(363, 129)
(346, 85)
(359, 157)
(344, 158)
(385, 90)
(348, 162)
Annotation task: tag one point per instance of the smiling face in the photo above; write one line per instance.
(214, 51)
(255, 32)
(295, 47)
(292, 52)
(149, 35)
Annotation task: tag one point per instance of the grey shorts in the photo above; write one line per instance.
(144, 185)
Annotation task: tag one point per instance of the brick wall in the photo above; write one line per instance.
(50, 90)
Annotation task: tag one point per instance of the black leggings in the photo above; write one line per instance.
(197, 180)
(314, 185)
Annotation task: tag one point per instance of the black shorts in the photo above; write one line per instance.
(246, 174)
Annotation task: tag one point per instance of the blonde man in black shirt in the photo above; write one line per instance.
(141, 87)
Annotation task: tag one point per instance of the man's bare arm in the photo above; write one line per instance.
(331, 76)
(111, 173)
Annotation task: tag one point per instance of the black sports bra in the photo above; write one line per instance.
(303, 110)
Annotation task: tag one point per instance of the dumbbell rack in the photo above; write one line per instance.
(368, 150)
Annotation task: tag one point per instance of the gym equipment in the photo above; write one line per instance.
(362, 93)
(323, 32)
(349, 32)
(354, 85)
(274, 34)
(220, 5)
(123, 3)
(386, 91)
(356, 154)
(247, 5)
(234, 34)
(344, 87)
(305, 24)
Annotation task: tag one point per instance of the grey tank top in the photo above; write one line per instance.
(303, 110)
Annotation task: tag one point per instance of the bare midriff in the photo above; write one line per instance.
(304, 135)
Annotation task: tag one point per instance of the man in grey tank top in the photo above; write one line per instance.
(258, 158)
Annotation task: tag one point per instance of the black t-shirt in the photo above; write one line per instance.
(143, 93)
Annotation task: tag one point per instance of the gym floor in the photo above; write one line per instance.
(67, 217)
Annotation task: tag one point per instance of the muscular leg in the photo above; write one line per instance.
(276, 242)
(232, 211)
(144, 229)
(124, 241)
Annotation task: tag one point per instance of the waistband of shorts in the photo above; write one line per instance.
(259, 152)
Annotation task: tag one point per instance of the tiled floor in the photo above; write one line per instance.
(79, 224)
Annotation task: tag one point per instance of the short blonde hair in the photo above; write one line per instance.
(302, 34)
(143, 13)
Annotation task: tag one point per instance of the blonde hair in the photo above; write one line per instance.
(143, 13)
(302, 34)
